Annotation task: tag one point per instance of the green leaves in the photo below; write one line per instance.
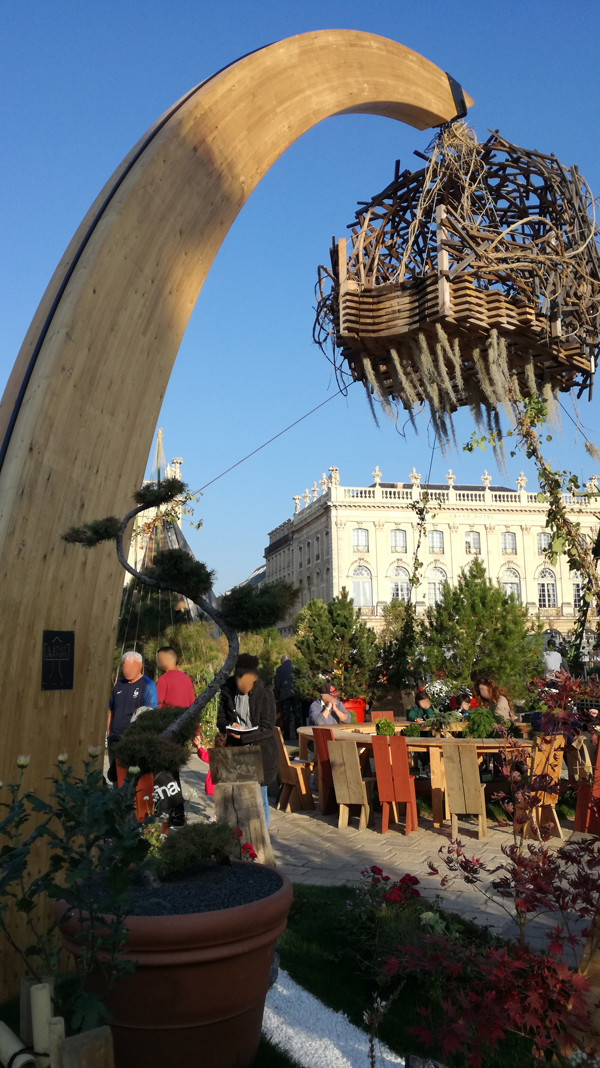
(180, 572)
(246, 608)
(92, 534)
(153, 494)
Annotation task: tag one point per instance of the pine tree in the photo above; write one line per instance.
(335, 644)
(477, 629)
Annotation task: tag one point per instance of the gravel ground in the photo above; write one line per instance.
(206, 888)
(317, 1037)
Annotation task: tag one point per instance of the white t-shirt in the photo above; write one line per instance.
(553, 661)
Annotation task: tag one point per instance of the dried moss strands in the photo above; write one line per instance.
(530, 375)
(515, 388)
(405, 384)
(453, 353)
(498, 379)
(427, 374)
(484, 381)
(381, 390)
(371, 388)
(451, 401)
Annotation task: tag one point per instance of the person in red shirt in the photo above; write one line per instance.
(174, 687)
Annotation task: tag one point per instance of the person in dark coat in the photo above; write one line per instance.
(284, 693)
(247, 702)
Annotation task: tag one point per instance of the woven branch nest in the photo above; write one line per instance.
(470, 282)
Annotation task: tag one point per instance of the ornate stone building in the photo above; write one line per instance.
(363, 538)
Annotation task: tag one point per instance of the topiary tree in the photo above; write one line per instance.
(335, 644)
(244, 608)
(477, 629)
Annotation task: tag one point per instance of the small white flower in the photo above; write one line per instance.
(94, 751)
(23, 760)
(133, 770)
(62, 758)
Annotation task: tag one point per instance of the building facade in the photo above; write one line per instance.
(364, 538)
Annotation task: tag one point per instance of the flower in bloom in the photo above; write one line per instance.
(23, 760)
(94, 751)
(133, 770)
(236, 832)
(376, 870)
(62, 758)
(249, 851)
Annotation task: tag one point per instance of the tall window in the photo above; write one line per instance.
(362, 587)
(400, 585)
(473, 542)
(436, 541)
(317, 547)
(577, 595)
(318, 590)
(299, 557)
(511, 583)
(398, 541)
(435, 580)
(326, 543)
(307, 553)
(546, 589)
(543, 541)
(360, 540)
(509, 544)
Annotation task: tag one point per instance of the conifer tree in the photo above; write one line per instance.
(477, 628)
(335, 644)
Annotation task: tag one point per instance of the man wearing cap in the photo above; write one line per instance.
(327, 711)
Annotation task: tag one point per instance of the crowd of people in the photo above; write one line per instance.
(249, 709)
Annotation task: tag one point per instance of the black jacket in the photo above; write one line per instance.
(262, 715)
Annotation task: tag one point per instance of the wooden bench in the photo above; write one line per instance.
(327, 803)
(465, 794)
(293, 775)
(395, 784)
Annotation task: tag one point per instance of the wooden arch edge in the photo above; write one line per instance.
(120, 299)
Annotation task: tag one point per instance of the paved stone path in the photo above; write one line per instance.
(310, 849)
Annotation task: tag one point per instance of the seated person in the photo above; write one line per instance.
(422, 708)
(327, 711)
(488, 694)
(462, 703)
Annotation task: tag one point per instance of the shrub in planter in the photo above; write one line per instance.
(481, 723)
(412, 730)
(385, 726)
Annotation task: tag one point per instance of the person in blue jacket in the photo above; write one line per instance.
(132, 691)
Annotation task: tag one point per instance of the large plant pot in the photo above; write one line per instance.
(358, 706)
(197, 995)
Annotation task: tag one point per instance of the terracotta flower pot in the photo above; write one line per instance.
(197, 995)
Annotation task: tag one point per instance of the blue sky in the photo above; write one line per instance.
(81, 82)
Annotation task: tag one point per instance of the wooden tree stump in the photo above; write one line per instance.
(92, 1049)
(236, 774)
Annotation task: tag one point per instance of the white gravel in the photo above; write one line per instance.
(317, 1037)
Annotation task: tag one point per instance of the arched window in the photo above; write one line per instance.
(543, 541)
(436, 541)
(400, 586)
(317, 547)
(509, 544)
(362, 587)
(511, 583)
(473, 542)
(546, 589)
(435, 580)
(398, 541)
(360, 540)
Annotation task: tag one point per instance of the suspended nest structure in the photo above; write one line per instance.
(473, 281)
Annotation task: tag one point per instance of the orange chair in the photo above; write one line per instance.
(395, 784)
(327, 802)
(387, 714)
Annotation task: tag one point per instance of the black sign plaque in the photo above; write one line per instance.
(58, 659)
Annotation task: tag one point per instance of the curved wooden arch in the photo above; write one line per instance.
(81, 405)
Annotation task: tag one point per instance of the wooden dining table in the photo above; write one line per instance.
(361, 735)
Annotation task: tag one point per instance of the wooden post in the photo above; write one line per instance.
(443, 262)
(236, 774)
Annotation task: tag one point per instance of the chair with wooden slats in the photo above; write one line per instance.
(546, 760)
(293, 776)
(465, 794)
(349, 785)
(395, 784)
(327, 803)
(382, 714)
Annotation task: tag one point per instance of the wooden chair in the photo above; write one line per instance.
(382, 714)
(293, 776)
(349, 785)
(547, 760)
(395, 784)
(465, 794)
(327, 803)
